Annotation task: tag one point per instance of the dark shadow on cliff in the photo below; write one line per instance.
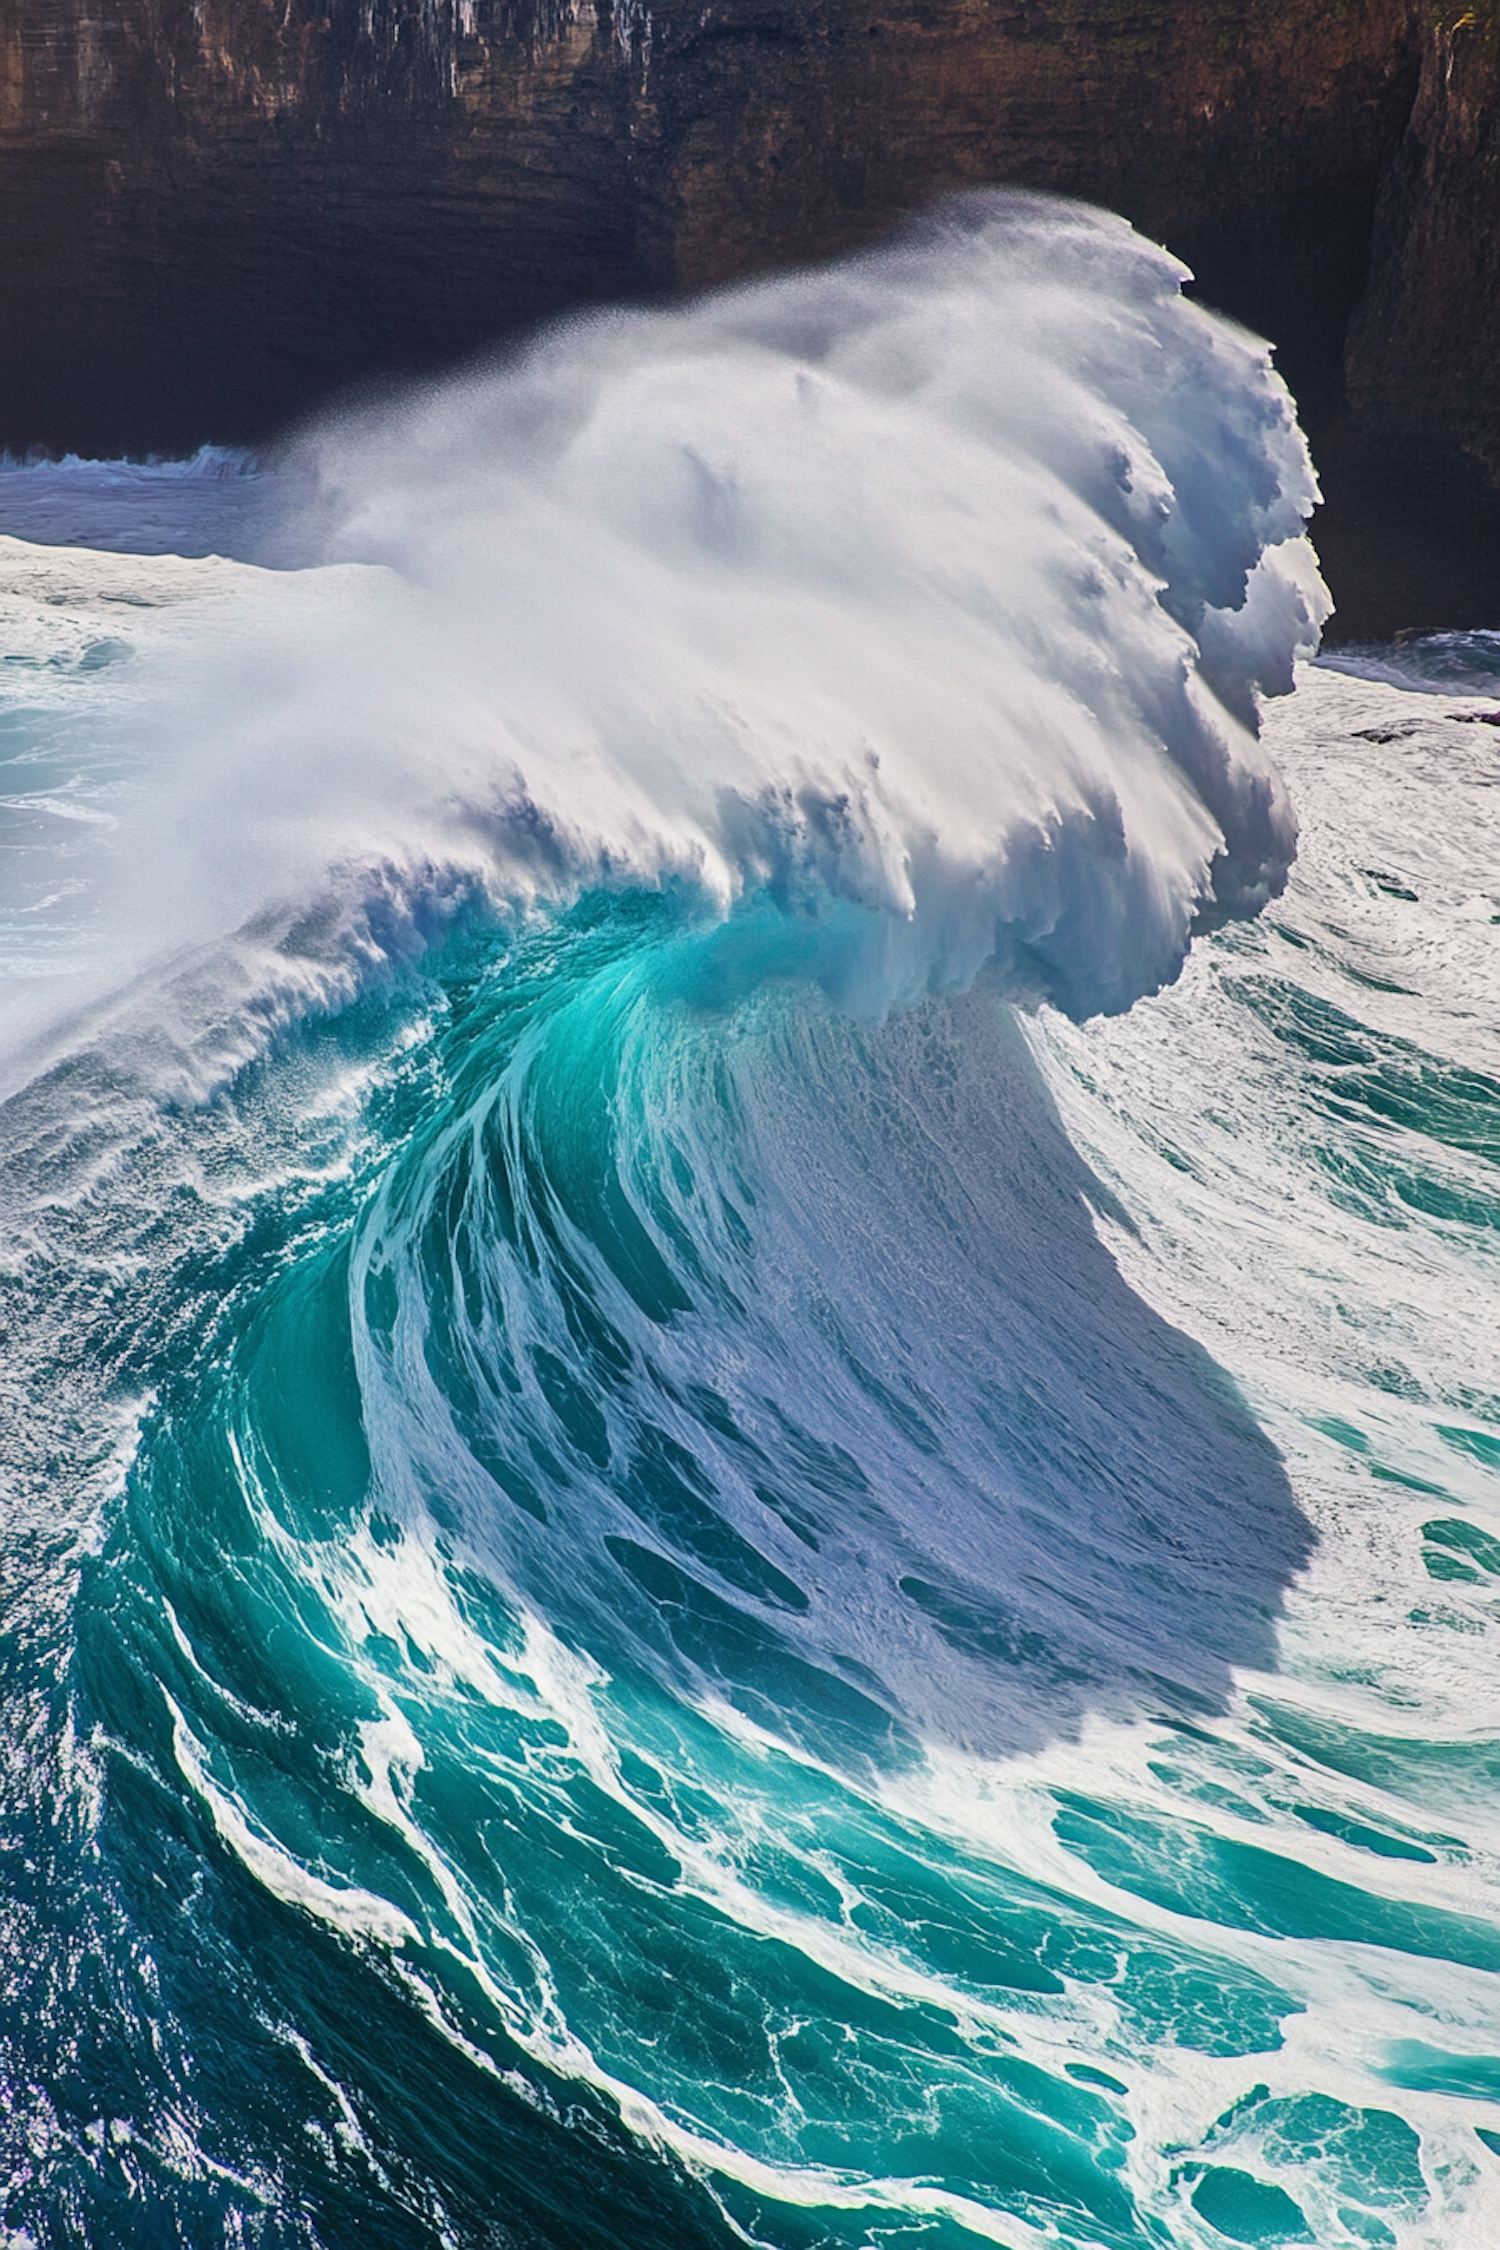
(1407, 542)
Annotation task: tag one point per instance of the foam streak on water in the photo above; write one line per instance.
(698, 1546)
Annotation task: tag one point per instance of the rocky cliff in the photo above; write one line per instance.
(214, 212)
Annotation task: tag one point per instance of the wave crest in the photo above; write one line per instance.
(932, 592)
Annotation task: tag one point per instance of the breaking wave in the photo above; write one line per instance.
(635, 1616)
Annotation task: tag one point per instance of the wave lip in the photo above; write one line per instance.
(929, 596)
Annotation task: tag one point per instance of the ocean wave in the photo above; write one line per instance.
(692, 1547)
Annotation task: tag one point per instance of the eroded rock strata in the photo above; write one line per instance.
(215, 212)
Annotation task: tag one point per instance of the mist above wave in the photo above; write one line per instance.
(928, 597)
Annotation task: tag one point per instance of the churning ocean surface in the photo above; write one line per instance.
(752, 1415)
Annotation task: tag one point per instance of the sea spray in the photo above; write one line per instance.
(926, 597)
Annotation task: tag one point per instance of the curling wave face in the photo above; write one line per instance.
(634, 1616)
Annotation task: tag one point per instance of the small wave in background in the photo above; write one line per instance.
(1441, 663)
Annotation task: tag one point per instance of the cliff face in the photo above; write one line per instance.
(1424, 348)
(1248, 134)
(212, 212)
(210, 215)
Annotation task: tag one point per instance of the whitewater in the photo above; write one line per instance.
(752, 1433)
